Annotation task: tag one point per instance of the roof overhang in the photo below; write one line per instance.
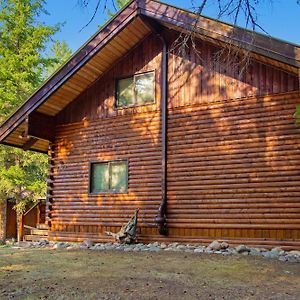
(110, 44)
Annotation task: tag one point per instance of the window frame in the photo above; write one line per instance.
(109, 191)
(117, 79)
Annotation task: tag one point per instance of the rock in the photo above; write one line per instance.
(89, 243)
(109, 247)
(215, 246)
(282, 258)
(291, 258)
(136, 249)
(277, 251)
(189, 251)
(191, 247)
(263, 250)
(71, 247)
(199, 250)
(127, 249)
(295, 252)
(60, 245)
(224, 245)
(163, 246)
(154, 248)
(231, 251)
(42, 243)
(168, 249)
(98, 247)
(83, 247)
(207, 250)
(255, 251)
(271, 254)
(181, 247)
(119, 248)
(242, 249)
(173, 245)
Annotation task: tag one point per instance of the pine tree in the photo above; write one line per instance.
(59, 54)
(23, 40)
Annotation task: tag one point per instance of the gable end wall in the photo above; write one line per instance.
(233, 157)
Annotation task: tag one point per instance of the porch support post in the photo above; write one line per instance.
(20, 227)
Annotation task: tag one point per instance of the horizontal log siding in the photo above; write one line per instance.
(92, 129)
(233, 154)
(73, 208)
(234, 169)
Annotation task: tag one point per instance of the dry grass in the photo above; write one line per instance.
(53, 274)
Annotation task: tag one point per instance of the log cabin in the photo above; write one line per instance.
(161, 111)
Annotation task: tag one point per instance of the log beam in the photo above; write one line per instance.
(29, 143)
(41, 126)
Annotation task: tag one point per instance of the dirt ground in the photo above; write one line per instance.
(82, 274)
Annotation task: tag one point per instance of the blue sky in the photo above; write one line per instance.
(281, 20)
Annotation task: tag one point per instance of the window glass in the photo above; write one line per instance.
(136, 90)
(109, 177)
(100, 177)
(119, 176)
(144, 88)
(126, 92)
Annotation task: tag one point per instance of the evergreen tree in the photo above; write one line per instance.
(118, 4)
(59, 54)
(23, 40)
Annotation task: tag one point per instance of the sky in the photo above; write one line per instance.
(281, 19)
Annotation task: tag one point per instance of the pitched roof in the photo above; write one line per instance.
(117, 37)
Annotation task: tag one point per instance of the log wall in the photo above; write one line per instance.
(233, 157)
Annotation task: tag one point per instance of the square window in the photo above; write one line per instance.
(100, 177)
(126, 92)
(136, 90)
(144, 88)
(118, 176)
(108, 177)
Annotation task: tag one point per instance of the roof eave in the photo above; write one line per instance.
(105, 34)
(182, 20)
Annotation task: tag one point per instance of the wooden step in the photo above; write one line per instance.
(29, 227)
(39, 232)
(35, 238)
(42, 226)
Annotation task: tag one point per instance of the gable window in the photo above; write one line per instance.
(136, 90)
(109, 177)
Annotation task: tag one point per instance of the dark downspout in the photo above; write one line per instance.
(161, 219)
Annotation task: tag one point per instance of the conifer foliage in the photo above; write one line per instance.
(23, 67)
